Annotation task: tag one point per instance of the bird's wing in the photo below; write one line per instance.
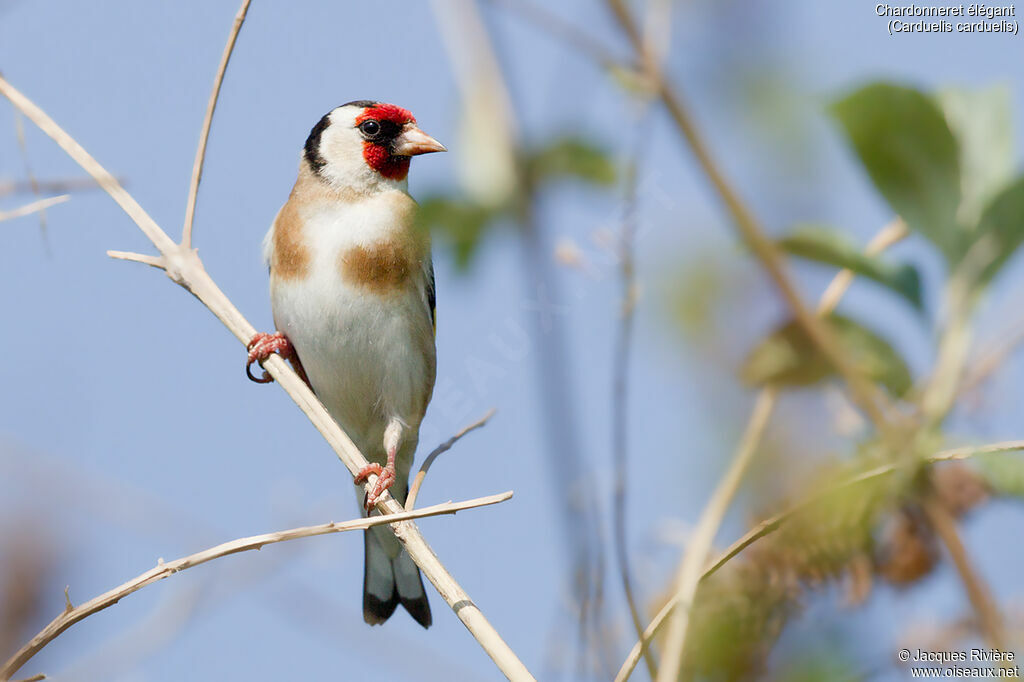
(431, 293)
(268, 241)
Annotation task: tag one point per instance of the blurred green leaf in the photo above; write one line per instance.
(981, 122)
(1003, 472)
(909, 152)
(698, 295)
(462, 223)
(1000, 231)
(825, 245)
(736, 617)
(789, 357)
(570, 158)
(631, 80)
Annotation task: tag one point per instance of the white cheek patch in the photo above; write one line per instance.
(341, 149)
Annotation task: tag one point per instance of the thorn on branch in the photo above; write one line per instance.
(414, 489)
(152, 261)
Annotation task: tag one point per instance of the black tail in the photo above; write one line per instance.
(389, 582)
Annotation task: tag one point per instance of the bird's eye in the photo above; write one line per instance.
(370, 128)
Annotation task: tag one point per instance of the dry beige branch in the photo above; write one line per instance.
(687, 575)
(74, 614)
(183, 265)
(204, 136)
(414, 489)
(34, 207)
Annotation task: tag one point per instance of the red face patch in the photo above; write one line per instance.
(377, 155)
(381, 160)
(386, 112)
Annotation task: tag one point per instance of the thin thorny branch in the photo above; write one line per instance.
(74, 614)
(769, 525)
(414, 489)
(182, 264)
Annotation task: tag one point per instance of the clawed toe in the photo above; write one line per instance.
(262, 347)
(385, 479)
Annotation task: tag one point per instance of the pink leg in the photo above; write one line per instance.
(385, 478)
(263, 346)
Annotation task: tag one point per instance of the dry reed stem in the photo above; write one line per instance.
(72, 615)
(204, 136)
(34, 207)
(183, 265)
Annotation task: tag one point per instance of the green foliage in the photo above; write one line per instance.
(1000, 230)
(737, 616)
(945, 165)
(830, 246)
(1002, 472)
(981, 122)
(905, 143)
(569, 158)
(789, 357)
(463, 223)
(740, 611)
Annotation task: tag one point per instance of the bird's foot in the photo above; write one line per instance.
(385, 479)
(262, 347)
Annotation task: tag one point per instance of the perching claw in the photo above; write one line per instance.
(262, 347)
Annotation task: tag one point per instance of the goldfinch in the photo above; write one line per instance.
(352, 292)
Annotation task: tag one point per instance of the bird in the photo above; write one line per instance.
(353, 298)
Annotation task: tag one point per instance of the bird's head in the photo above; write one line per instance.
(365, 145)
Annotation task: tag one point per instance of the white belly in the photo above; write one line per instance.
(369, 356)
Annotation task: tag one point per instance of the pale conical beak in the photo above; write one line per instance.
(414, 141)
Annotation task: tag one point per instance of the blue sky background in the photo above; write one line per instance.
(128, 431)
